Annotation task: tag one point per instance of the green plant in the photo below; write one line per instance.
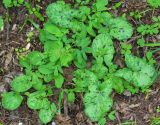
(158, 109)
(11, 3)
(154, 3)
(150, 29)
(76, 35)
(155, 121)
(137, 69)
(142, 43)
(117, 5)
(136, 14)
(34, 10)
(1, 23)
(13, 97)
(120, 29)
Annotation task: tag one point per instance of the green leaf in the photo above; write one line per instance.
(82, 13)
(1, 23)
(46, 115)
(102, 46)
(112, 116)
(54, 50)
(115, 82)
(140, 73)
(102, 121)
(62, 16)
(21, 83)
(38, 100)
(46, 69)
(35, 58)
(85, 80)
(91, 31)
(120, 28)
(59, 81)
(7, 3)
(37, 82)
(48, 77)
(20, 1)
(138, 64)
(79, 60)
(94, 105)
(11, 100)
(99, 69)
(66, 56)
(53, 29)
(46, 36)
(154, 3)
(71, 97)
(100, 5)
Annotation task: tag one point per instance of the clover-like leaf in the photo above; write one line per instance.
(21, 83)
(11, 100)
(46, 114)
(102, 46)
(120, 28)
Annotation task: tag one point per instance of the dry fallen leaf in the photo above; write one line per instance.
(8, 59)
(61, 120)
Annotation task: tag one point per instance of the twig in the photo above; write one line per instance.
(134, 38)
(117, 116)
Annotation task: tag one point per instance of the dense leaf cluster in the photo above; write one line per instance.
(77, 35)
(154, 3)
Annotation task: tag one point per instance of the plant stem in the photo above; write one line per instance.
(145, 11)
(156, 50)
(152, 44)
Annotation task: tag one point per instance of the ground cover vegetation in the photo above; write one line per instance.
(77, 35)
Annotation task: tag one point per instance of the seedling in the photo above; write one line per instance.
(136, 14)
(142, 43)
